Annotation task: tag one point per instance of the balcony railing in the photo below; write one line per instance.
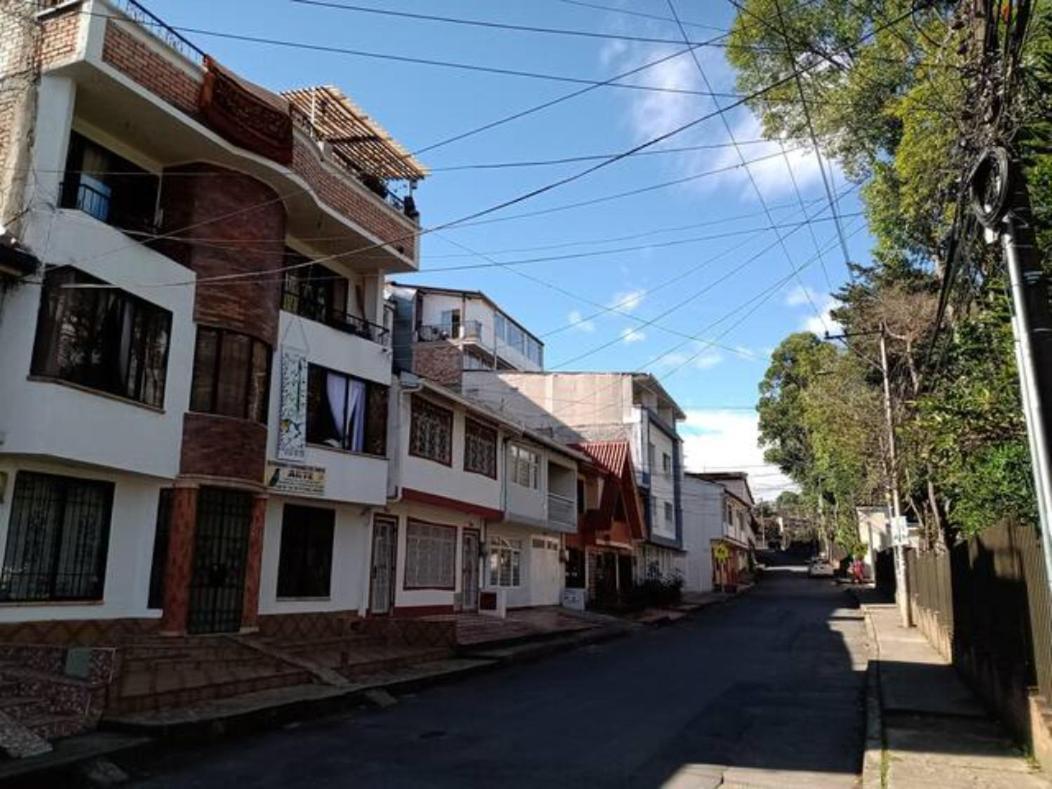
(562, 510)
(293, 302)
(96, 200)
(468, 330)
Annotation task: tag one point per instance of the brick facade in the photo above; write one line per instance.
(149, 68)
(441, 362)
(222, 446)
(206, 202)
(131, 56)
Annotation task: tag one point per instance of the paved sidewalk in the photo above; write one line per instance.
(935, 732)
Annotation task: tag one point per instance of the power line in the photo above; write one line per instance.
(450, 20)
(529, 194)
(748, 172)
(640, 14)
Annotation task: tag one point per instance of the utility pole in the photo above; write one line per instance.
(902, 591)
(1001, 203)
(901, 579)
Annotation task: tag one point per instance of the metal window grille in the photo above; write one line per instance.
(57, 539)
(305, 560)
(480, 449)
(431, 431)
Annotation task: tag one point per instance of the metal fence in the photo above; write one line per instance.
(985, 604)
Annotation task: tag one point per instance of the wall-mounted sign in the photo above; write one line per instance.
(721, 552)
(290, 478)
(292, 408)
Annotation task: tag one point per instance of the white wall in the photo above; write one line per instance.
(702, 522)
(662, 485)
(129, 553)
(48, 418)
(348, 590)
(437, 478)
(404, 511)
(541, 573)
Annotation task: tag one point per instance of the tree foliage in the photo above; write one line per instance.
(893, 111)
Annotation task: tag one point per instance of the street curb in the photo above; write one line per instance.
(874, 755)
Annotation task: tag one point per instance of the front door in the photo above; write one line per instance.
(470, 570)
(217, 585)
(384, 564)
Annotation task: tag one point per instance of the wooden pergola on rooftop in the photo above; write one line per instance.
(356, 138)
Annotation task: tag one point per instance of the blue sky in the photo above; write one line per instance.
(422, 105)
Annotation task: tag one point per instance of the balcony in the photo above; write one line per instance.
(468, 330)
(298, 304)
(562, 512)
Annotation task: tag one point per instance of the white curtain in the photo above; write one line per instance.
(356, 417)
(336, 390)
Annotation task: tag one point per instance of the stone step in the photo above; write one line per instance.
(196, 689)
(15, 706)
(191, 663)
(18, 741)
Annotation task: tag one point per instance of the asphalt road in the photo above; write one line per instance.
(766, 690)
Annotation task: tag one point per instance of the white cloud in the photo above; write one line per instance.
(717, 439)
(578, 321)
(707, 361)
(820, 325)
(627, 300)
(632, 335)
(801, 295)
(653, 113)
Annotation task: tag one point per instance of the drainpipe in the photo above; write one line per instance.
(411, 385)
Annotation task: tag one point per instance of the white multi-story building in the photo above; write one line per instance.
(195, 378)
(440, 332)
(597, 406)
(719, 514)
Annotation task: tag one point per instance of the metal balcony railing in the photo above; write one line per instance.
(468, 330)
(296, 303)
(562, 509)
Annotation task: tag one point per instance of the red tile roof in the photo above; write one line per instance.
(609, 455)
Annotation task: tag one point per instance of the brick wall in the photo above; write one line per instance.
(249, 217)
(219, 446)
(131, 56)
(19, 64)
(59, 33)
(440, 362)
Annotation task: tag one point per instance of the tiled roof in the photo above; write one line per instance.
(609, 455)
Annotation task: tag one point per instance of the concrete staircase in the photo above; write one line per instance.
(165, 672)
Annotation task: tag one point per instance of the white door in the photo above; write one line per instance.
(545, 571)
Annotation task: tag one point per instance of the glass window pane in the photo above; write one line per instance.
(204, 370)
(259, 382)
(232, 386)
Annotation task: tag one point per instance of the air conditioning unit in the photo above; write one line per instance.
(493, 602)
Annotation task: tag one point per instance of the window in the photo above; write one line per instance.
(345, 412)
(668, 513)
(523, 466)
(534, 351)
(430, 556)
(57, 539)
(451, 323)
(108, 187)
(231, 375)
(431, 431)
(505, 562)
(728, 516)
(101, 338)
(480, 448)
(471, 361)
(651, 454)
(580, 497)
(666, 463)
(313, 291)
(305, 563)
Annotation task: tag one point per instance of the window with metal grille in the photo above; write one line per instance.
(523, 466)
(101, 338)
(305, 563)
(431, 431)
(345, 412)
(231, 374)
(57, 539)
(480, 448)
(668, 512)
(505, 562)
(666, 463)
(430, 556)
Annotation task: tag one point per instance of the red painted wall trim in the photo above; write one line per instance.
(452, 504)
